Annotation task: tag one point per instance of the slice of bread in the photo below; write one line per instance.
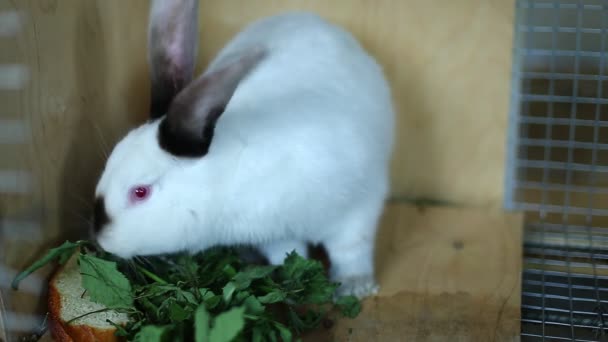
(68, 299)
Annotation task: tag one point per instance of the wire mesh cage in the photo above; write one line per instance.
(558, 167)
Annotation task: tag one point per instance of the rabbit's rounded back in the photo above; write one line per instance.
(317, 76)
(314, 119)
(288, 129)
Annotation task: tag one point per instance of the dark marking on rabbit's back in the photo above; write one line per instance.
(100, 215)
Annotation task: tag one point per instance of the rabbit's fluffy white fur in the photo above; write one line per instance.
(300, 155)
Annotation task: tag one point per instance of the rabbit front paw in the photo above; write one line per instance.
(358, 286)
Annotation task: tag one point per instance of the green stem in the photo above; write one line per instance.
(152, 275)
(86, 314)
(123, 310)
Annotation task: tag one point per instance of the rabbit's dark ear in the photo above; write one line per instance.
(172, 45)
(188, 128)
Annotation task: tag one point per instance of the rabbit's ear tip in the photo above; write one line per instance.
(172, 45)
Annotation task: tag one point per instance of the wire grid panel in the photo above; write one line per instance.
(558, 166)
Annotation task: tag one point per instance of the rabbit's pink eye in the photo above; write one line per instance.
(139, 193)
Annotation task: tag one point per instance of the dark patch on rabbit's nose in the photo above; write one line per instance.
(100, 215)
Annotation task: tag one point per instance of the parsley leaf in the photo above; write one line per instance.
(349, 306)
(177, 313)
(305, 280)
(228, 291)
(201, 324)
(151, 333)
(243, 279)
(253, 305)
(104, 283)
(273, 297)
(227, 325)
(283, 331)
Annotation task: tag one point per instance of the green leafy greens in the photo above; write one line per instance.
(61, 254)
(104, 282)
(212, 296)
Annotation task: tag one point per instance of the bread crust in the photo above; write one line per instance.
(63, 332)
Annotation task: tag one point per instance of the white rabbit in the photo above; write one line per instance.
(285, 140)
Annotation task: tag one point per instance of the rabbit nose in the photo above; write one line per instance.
(100, 215)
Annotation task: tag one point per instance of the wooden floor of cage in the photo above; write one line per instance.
(446, 274)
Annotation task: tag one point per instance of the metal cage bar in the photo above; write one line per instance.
(557, 166)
